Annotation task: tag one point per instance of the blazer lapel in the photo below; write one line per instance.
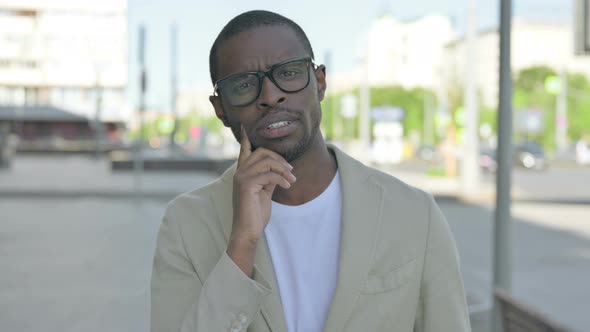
(361, 215)
(272, 309)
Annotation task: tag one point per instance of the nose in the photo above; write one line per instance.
(270, 95)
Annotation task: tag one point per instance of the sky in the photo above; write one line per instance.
(335, 26)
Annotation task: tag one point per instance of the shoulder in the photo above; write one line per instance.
(198, 221)
(201, 199)
(393, 185)
(406, 210)
(203, 216)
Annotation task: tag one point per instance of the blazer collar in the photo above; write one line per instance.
(362, 201)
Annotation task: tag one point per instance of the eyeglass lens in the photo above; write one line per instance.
(244, 88)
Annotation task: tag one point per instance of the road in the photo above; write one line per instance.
(551, 257)
(555, 184)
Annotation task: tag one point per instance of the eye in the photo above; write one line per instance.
(288, 73)
(242, 86)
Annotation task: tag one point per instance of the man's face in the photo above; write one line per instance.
(287, 123)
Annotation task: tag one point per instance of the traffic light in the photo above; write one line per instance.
(582, 27)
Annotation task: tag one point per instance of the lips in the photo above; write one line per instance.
(279, 129)
(278, 124)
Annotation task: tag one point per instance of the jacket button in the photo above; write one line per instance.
(236, 326)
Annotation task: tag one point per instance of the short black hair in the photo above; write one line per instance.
(250, 20)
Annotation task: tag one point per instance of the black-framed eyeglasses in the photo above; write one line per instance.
(244, 88)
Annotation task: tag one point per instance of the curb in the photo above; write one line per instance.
(63, 194)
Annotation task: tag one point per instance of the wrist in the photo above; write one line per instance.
(243, 241)
(242, 250)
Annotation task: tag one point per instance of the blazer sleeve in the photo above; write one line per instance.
(182, 300)
(442, 305)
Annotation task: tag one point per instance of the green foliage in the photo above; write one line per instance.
(578, 110)
(490, 116)
(532, 79)
(329, 117)
(411, 101)
(184, 123)
(530, 93)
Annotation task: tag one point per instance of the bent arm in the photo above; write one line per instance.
(182, 300)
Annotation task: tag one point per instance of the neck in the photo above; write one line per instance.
(314, 171)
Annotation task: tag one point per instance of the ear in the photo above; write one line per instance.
(219, 111)
(320, 74)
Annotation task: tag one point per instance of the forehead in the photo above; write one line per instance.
(258, 49)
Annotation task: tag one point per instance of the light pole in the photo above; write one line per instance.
(138, 149)
(470, 173)
(173, 88)
(502, 257)
(561, 114)
(98, 128)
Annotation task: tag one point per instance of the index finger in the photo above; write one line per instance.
(245, 147)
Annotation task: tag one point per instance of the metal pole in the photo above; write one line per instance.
(427, 121)
(561, 114)
(173, 87)
(138, 158)
(98, 134)
(365, 101)
(470, 173)
(502, 260)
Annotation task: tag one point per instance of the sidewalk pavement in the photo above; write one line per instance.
(72, 176)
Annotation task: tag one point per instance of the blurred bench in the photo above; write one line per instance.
(517, 317)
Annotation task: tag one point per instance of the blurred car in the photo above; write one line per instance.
(530, 155)
(8, 144)
(487, 160)
(426, 152)
(582, 153)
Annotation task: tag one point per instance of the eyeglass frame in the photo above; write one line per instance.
(267, 73)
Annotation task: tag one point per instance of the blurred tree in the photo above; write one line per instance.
(412, 101)
(578, 102)
(329, 116)
(530, 92)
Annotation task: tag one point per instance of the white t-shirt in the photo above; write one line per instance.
(304, 243)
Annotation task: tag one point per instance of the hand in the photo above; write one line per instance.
(256, 177)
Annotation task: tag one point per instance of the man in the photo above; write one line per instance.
(297, 236)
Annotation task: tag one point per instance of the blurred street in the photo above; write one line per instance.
(77, 246)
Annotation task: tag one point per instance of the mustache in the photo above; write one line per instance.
(278, 113)
(275, 110)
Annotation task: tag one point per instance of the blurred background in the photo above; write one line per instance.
(104, 117)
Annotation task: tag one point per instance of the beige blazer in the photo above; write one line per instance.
(398, 268)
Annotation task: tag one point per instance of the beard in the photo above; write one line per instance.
(289, 153)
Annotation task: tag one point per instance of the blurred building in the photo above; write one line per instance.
(533, 44)
(408, 53)
(48, 128)
(195, 101)
(68, 54)
(405, 53)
